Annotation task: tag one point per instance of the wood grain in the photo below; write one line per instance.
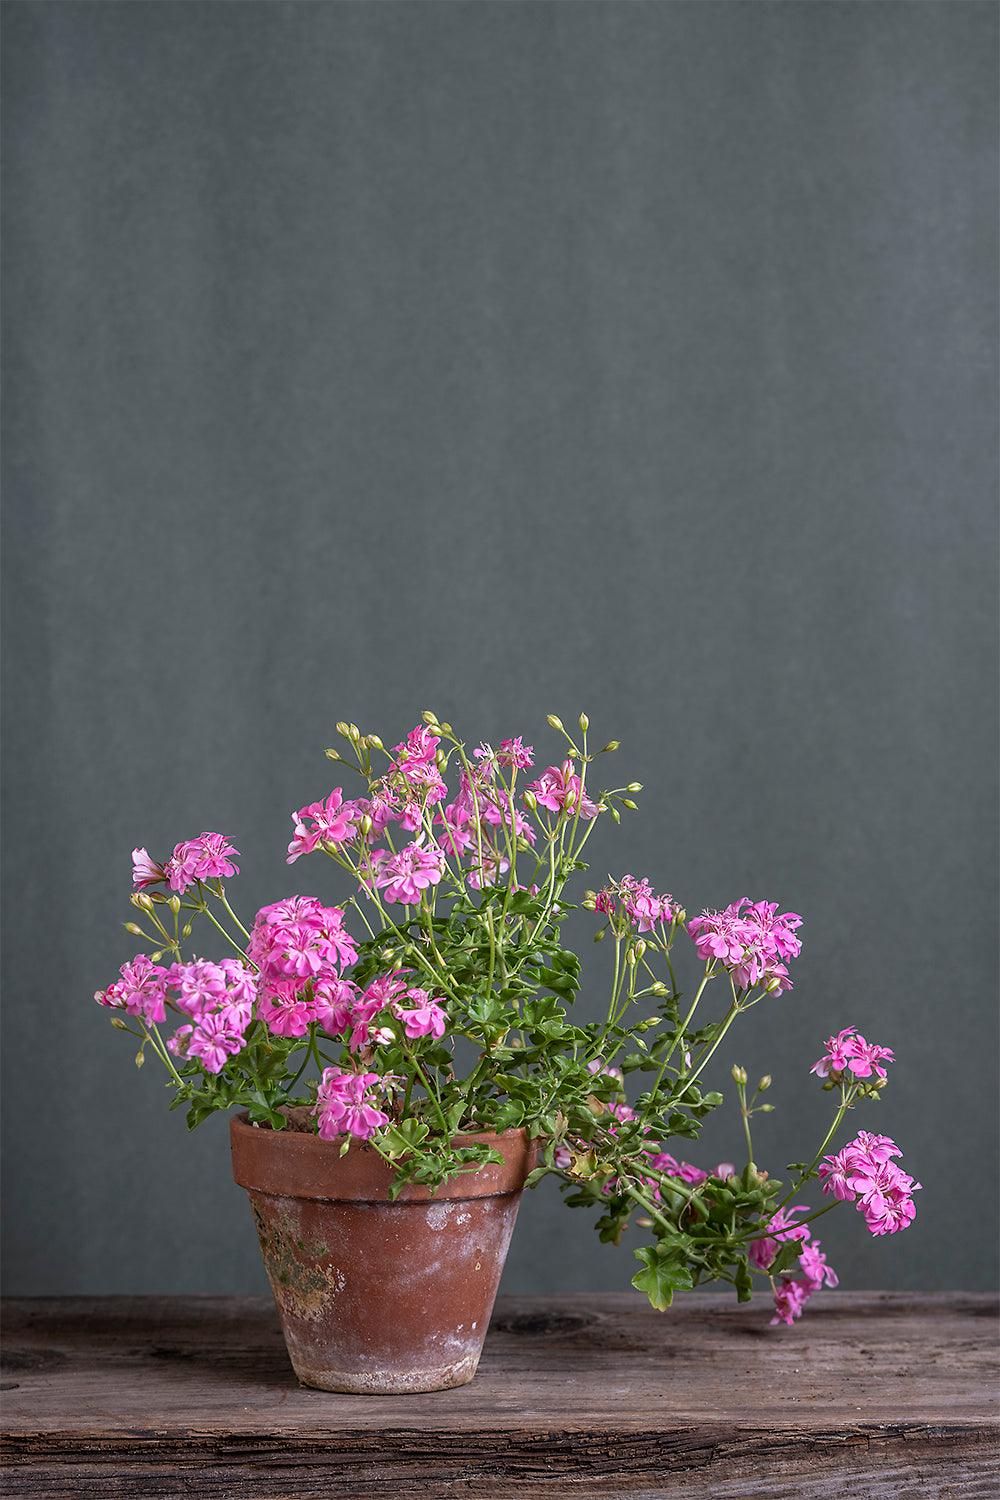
(872, 1395)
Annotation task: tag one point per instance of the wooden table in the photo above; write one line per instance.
(874, 1394)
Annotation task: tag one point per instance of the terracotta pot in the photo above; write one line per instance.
(377, 1296)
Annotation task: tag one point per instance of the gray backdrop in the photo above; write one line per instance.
(507, 359)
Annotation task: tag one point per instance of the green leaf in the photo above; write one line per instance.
(664, 1272)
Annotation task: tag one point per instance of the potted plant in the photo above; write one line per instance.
(402, 1063)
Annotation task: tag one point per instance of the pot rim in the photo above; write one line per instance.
(297, 1164)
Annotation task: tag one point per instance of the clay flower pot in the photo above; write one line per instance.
(376, 1296)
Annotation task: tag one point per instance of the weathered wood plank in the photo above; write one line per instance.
(877, 1394)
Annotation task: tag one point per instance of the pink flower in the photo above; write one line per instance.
(284, 1012)
(779, 1228)
(207, 857)
(141, 990)
(751, 940)
(145, 871)
(790, 1296)
(642, 908)
(405, 876)
(333, 1003)
(419, 746)
(300, 939)
(459, 828)
(724, 1170)
(202, 986)
(663, 1161)
(426, 1018)
(344, 1107)
(559, 787)
(562, 1157)
(213, 1040)
(516, 753)
(849, 1052)
(814, 1267)
(329, 822)
(865, 1173)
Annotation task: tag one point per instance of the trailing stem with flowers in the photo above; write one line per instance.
(435, 1001)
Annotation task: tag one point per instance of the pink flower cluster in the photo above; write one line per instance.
(328, 822)
(344, 1105)
(342, 1009)
(663, 1161)
(219, 998)
(848, 1052)
(295, 942)
(865, 1173)
(560, 789)
(210, 856)
(791, 1293)
(405, 876)
(751, 939)
(643, 909)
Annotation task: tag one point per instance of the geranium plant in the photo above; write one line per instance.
(434, 1001)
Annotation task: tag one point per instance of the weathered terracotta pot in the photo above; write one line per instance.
(376, 1296)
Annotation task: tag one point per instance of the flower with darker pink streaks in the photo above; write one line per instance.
(849, 1052)
(328, 822)
(145, 871)
(423, 1016)
(814, 1267)
(779, 1228)
(210, 856)
(514, 752)
(751, 940)
(865, 1172)
(213, 1040)
(790, 1297)
(140, 990)
(405, 876)
(344, 1105)
(559, 788)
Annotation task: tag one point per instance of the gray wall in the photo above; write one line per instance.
(508, 359)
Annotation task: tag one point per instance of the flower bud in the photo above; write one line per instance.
(765, 1083)
(365, 825)
(632, 958)
(175, 904)
(616, 816)
(773, 986)
(739, 1074)
(118, 1023)
(600, 935)
(140, 1058)
(640, 948)
(584, 723)
(445, 727)
(765, 1109)
(589, 902)
(634, 786)
(133, 928)
(186, 930)
(353, 733)
(155, 957)
(331, 754)
(375, 742)
(429, 716)
(141, 900)
(530, 801)
(343, 729)
(555, 721)
(611, 745)
(658, 988)
(627, 802)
